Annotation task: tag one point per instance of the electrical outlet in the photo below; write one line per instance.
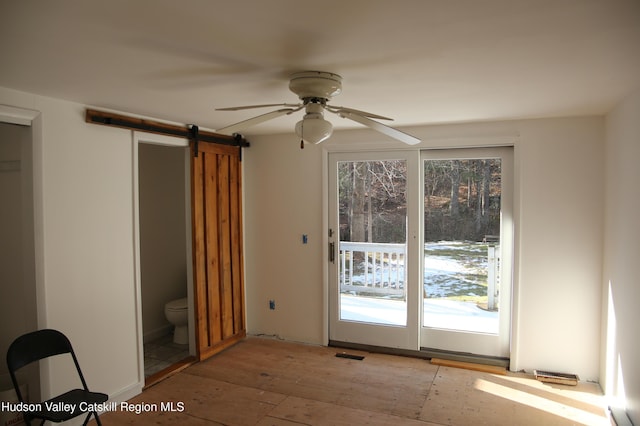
(272, 305)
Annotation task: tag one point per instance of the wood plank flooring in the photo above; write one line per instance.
(263, 381)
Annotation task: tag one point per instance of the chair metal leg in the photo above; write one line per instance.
(94, 414)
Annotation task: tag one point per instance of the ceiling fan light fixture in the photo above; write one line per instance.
(315, 84)
(315, 89)
(314, 129)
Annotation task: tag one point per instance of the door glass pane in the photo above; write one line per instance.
(462, 244)
(372, 244)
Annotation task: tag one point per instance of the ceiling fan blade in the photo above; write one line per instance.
(256, 120)
(339, 109)
(239, 108)
(389, 131)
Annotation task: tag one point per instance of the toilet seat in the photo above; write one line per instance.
(177, 305)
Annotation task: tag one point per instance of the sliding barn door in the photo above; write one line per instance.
(217, 247)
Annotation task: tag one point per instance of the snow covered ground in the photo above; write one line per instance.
(453, 271)
(467, 316)
(451, 268)
(446, 314)
(455, 268)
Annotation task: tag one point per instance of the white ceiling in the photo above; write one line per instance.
(419, 61)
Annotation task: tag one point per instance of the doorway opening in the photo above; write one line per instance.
(17, 251)
(164, 258)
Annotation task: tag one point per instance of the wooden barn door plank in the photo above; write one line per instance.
(225, 247)
(199, 249)
(218, 262)
(211, 231)
(236, 240)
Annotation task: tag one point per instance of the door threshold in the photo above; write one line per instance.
(466, 357)
(378, 349)
(168, 372)
(425, 353)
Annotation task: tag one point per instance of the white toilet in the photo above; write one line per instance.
(176, 312)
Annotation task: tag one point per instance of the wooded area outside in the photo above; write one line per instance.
(461, 219)
(372, 201)
(461, 199)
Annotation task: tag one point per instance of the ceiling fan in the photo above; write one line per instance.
(315, 89)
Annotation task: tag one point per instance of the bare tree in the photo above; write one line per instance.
(454, 205)
(358, 196)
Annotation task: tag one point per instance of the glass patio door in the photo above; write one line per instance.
(373, 297)
(421, 249)
(467, 253)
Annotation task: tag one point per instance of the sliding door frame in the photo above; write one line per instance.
(474, 343)
(362, 152)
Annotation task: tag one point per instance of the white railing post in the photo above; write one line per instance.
(372, 274)
(366, 269)
(491, 277)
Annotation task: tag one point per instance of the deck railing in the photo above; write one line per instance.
(379, 269)
(372, 268)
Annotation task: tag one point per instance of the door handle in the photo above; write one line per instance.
(332, 255)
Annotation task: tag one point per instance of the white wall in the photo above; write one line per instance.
(84, 241)
(559, 196)
(283, 201)
(560, 246)
(621, 286)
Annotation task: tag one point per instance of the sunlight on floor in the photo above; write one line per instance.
(580, 407)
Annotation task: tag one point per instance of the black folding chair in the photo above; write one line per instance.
(41, 344)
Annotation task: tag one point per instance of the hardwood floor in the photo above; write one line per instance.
(263, 381)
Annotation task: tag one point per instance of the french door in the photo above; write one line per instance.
(421, 249)
(373, 238)
(467, 250)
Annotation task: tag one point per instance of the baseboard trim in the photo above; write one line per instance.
(126, 394)
(619, 417)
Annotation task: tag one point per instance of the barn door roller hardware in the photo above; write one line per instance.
(191, 132)
(193, 136)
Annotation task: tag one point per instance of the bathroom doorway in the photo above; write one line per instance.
(17, 250)
(164, 255)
